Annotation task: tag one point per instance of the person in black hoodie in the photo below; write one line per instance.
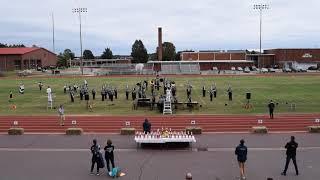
(109, 154)
(241, 152)
(291, 154)
(95, 151)
(146, 126)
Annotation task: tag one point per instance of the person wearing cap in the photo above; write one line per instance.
(241, 152)
(291, 152)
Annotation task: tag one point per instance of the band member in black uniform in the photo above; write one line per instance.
(93, 94)
(203, 91)
(229, 91)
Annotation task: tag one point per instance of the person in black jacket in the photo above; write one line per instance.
(291, 154)
(146, 126)
(203, 91)
(95, 151)
(109, 154)
(241, 152)
(93, 94)
(271, 109)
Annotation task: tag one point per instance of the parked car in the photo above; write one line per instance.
(272, 70)
(298, 69)
(254, 68)
(215, 69)
(239, 69)
(246, 70)
(286, 69)
(233, 68)
(313, 68)
(263, 70)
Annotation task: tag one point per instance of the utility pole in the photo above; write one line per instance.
(53, 46)
(260, 8)
(79, 11)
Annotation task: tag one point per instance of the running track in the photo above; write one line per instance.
(209, 123)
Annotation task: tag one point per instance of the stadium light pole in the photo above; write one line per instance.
(260, 8)
(79, 11)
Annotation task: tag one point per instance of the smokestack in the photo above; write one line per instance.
(160, 44)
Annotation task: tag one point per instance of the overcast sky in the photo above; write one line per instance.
(189, 24)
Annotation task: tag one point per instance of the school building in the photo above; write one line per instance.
(26, 58)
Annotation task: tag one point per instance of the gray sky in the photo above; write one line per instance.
(189, 24)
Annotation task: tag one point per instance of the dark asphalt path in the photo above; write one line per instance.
(55, 157)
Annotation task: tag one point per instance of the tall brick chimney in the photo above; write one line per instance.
(159, 44)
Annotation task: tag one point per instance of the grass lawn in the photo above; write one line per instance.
(284, 90)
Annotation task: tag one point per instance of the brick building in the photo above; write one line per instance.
(219, 59)
(26, 58)
(242, 58)
(283, 56)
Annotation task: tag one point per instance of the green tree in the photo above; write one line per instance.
(107, 54)
(168, 52)
(178, 57)
(64, 57)
(139, 52)
(87, 54)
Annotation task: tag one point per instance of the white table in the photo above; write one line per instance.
(144, 140)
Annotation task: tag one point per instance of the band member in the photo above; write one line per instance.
(203, 91)
(93, 94)
(229, 91)
(40, 85)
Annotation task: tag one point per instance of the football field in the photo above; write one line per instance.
(303, 91)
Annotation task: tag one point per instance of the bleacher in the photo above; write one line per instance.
(189, 68)
(180, 68)
(170, 69)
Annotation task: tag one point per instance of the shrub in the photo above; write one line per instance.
(314, 129)
(194, 130)
(127, 131)
(15, 131)
(260, 129)
(74, 131)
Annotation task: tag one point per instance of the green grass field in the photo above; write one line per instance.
(301, 90)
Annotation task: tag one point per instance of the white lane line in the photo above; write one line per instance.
(136, 150)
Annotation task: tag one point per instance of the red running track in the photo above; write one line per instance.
(113, 124)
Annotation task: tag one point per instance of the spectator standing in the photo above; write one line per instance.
(109, 156)
(146, 126)
(95, 151)
(291, 147)
(241, 152)
(271, 107)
